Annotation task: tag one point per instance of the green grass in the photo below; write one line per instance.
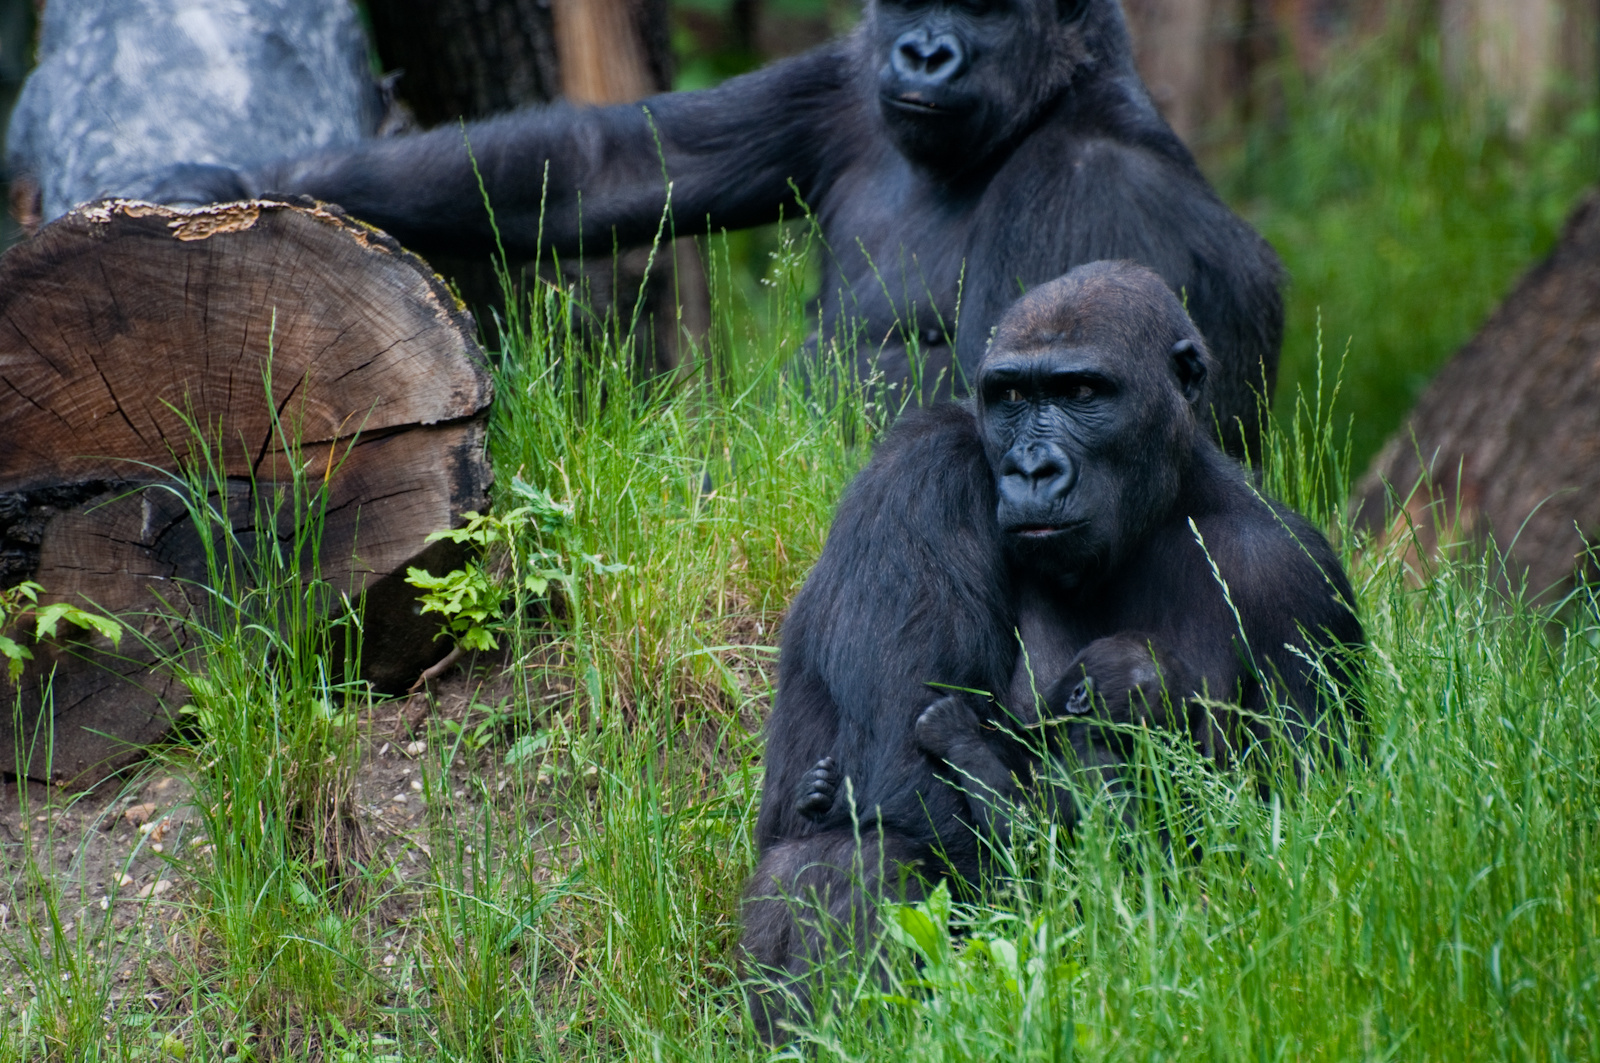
(585, 844)
(1404, 214)
(1440, 898)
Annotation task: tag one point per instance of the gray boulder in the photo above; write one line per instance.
(126, 88)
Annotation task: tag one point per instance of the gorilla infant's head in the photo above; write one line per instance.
(1088, 405)
(956, 79)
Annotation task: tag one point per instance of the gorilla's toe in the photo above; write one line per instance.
(818, 788)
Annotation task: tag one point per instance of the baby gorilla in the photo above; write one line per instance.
(1114, 686)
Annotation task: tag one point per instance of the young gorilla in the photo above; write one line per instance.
(1080, 504)
(1115, 685)
(950, 150)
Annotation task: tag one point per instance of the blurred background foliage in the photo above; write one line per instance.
(1404, 207)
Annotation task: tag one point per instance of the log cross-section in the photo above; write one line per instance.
(124, 327)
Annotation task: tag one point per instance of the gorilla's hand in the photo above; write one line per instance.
(946, 727)
(192, 184)
(818, 787)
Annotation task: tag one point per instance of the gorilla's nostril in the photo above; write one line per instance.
(933, 59)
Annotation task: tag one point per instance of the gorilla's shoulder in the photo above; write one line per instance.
(927, 492)
(1251, 533)
(940, 422)
(926, 441)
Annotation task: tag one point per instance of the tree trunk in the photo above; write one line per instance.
(464, 59)
(16, 52)
(1505, 443)
(607, 57)
(1171, 39)
(121, 326)
(603, 56)
(1508, 49)
(467, 59)
(126, 89)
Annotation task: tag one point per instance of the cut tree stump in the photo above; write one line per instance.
(122, 321)
(1505, 443)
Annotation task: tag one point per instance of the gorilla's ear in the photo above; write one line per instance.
(1071, 10)
(1190, 366)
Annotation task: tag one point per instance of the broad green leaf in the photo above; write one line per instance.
(920, 932)
(15, 656)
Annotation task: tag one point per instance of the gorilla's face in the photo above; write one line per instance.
(1086, 406)
(957, 78)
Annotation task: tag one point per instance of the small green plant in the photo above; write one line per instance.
(474, 736)
(22, 600)
(1011, 976)
(522, 553)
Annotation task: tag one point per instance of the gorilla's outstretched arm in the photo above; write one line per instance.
(580, 176)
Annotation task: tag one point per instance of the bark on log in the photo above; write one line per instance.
(1505, 443)
(120, 320)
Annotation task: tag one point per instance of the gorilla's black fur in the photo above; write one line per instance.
(953, 154)
(1079, 505)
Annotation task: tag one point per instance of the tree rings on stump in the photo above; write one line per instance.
(124, 328)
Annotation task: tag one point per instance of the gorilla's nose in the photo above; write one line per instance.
(1036, 473)
(928, 60)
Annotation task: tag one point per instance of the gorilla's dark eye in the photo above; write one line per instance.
(1012, 395)
(1075, 387)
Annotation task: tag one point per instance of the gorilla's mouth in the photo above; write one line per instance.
(1044, 531)
(916, 103)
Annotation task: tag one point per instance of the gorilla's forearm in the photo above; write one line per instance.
(991, 787)
(950, 730)
(579, 178)
(533, 166)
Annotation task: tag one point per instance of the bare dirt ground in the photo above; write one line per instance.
(112, 858)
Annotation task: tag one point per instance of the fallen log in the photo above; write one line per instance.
(124, 327)
(1504, 445)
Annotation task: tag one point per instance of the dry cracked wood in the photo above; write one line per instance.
(123, 328)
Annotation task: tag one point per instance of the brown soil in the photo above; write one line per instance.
(112, 858)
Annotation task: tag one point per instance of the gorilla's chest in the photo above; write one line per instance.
(1050, 641)
(900, 262)
(916, 269)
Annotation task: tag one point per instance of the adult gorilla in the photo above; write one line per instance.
(954, 153)
(1080, 505)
